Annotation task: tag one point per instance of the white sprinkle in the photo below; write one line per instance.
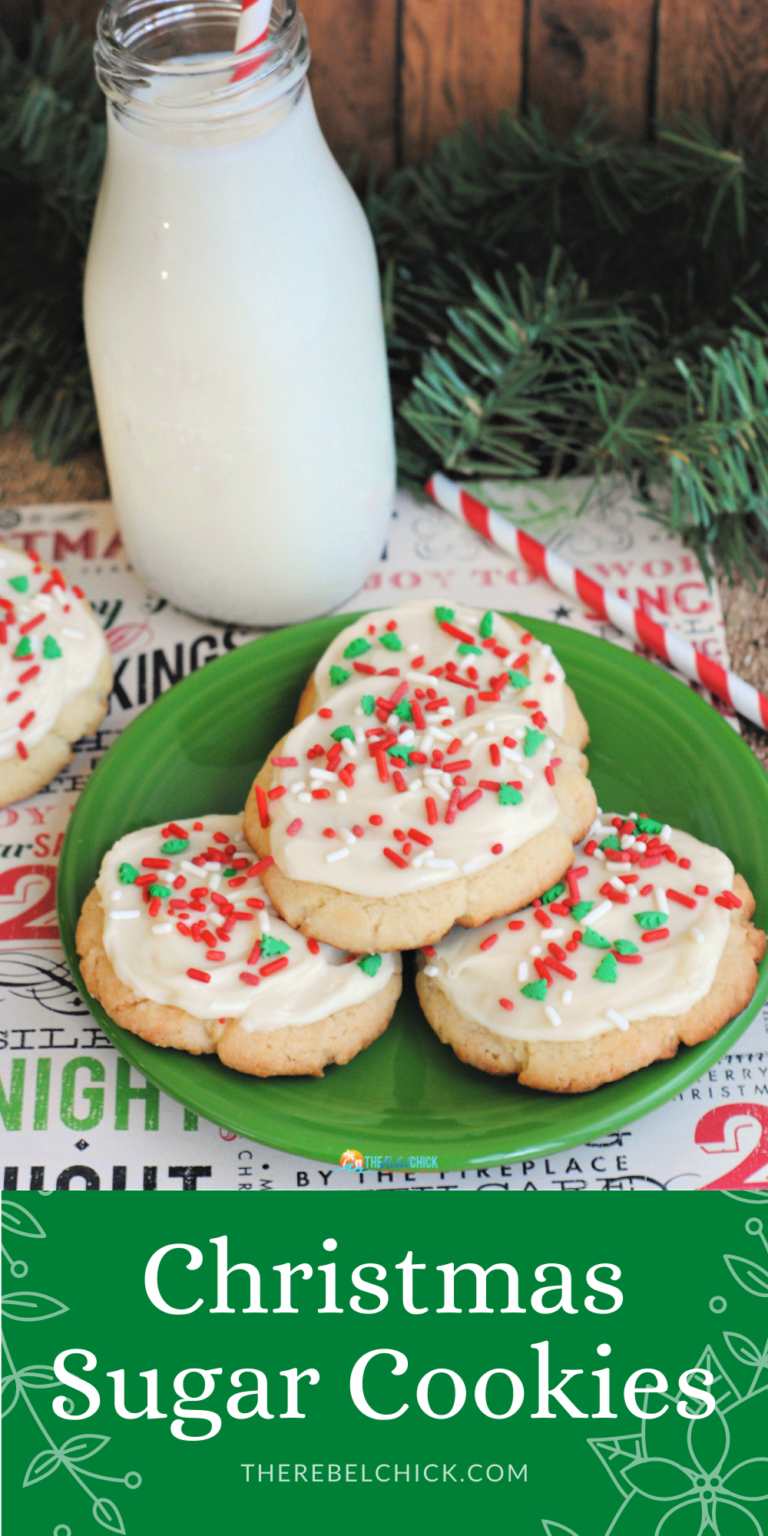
(550, 743)
(665, 833)
(489, 727)
(617, 1018)
(512, 754)
(522, 971)
(407, 737)
(304, 799)
(599, 854)
(211, 865)
(162, 928)
(134, 912)
(426, 741)
(437, 789)
(359, 712)
(415, 677)
(448, 709)
(555, 933)
(60, 595)
(617, 883)
(415, 784)
(264, 924)
(535, 951)
(660, 896)
(338, 853)
(297, 787)
(553, 1015)
(189, 869)
(14, 731)
(414, 648)
(347, 836)
(599, 810)
(440, 735)
(419, 860)
(322, 773)
(469, 868)
(468, 740)
(627, 841)
(214, 882)
(567, 995)
(601, 911)
(360, 734)
(116, 896)
(697, 934)
(44, 602)
(640, 846)
(441, 863)
(348, 747)
(74, 634)
(431, 970)
(525, 773)
(216, 919)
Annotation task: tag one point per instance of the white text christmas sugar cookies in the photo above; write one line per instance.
(646, 943)
(55, 673)
(180, 943)
(390, 815)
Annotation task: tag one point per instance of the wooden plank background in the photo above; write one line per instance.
(391, 76)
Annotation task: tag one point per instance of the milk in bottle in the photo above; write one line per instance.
(233, 322)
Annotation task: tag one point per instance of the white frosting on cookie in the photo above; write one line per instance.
(422, 642)
(163, 951)
(656, 956)
(357, 816)
(51, 648)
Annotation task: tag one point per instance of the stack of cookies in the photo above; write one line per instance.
(429, 797)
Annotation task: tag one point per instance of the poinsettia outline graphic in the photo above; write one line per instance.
(679, 1476)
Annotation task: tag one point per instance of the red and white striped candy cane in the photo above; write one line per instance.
(659, 638)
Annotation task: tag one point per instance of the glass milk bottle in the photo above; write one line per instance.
(233, 321)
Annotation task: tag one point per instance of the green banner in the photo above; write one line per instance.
(570, 1367)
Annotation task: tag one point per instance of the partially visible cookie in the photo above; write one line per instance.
(438, 640)
(55, 673)
(647, 943)
(179, 943)
(390, 818)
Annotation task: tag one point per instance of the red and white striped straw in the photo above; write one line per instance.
(253, 25)
(252, 28)
(659, 638)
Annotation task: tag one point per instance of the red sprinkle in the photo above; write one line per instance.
(431, 807)
(325, 714)
(654, 934)
(285, 762)
(395, 858)
(549, 774)
(261, 802)
(274, 965)
(418, 837)
(195, 975)
(328, 832)
(156, 863)
(516, 924)
(497, 848)
(249, 978)
(276, 793)
(154, 906)
(215, 954)
(453, 806)
(627, 959)
(685, 901)
(701, 890)
(28, 718)
(294, 828)
(418, 716)
(31, 624)
(376, 821)
(313, 946)
(470, 799)
(543, 917)
(399, 782)
(382, 767)
(22, 751)
(562, 970)
(504, 1002)
(684, 863)
(258, 869)
(26, 677)
(495, 755)
(469, 709)
(490, 941)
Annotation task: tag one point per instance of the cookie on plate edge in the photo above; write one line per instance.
(647, 943)
(180, 944)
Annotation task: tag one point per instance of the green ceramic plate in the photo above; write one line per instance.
(656, 746)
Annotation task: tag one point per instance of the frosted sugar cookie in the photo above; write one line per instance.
(180, 943)
(647, 943)
(390, 818)
(477, 656)
(55, 673)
